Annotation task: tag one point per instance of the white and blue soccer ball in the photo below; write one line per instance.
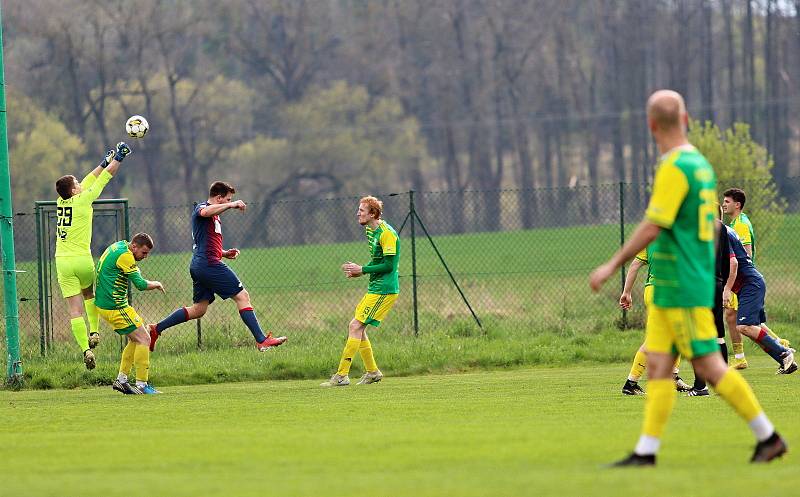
(137, 126)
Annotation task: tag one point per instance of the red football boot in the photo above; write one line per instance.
(270, 342)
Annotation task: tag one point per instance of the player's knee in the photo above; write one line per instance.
(242, 297)
(197, 310)
(356, 329)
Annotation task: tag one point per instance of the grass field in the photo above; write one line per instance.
(542, 431)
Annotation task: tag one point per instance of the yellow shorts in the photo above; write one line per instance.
(734, 302)
(374, 307)
(648, 295)
(688, 331)
(74, 274)
(124, 321)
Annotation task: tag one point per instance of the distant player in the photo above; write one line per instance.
(210, 275)
(679, 222)
(733, 201)
(384, 251)
(631, 386)
(115, 269)
(74, 263)
(751, 317)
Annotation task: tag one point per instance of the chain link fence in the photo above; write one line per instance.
(520, 258)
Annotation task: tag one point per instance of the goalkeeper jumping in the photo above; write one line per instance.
(74, 263)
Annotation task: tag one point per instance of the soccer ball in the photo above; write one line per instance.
(137, 126)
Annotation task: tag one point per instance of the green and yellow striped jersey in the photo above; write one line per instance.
(383, 241)
(744, 228)
(684, 205)
(74, 217)
(116, 267)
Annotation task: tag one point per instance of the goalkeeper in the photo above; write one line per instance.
(74, 263)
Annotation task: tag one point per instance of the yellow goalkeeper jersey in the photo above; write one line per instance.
(74, 217)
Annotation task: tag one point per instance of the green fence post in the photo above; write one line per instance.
(14, 370)
(40, 280)
(413, 214)
(621, 243)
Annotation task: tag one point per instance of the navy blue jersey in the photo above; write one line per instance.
(207, 238)
(747, 270)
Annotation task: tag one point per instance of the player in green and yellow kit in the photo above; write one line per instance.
(733, 200)
(384, 286)
(74, 263)
(116, 267)
(680, 223)
(631, 386)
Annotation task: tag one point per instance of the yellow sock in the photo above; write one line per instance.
(658, 406)
(738, 348)
(735, 390)
(771, 333)
(127, 358)
(79, 331)
(141, 357)
(91, 315)
(638, 366)
(677, 365)
(350, 349)
(366, 355)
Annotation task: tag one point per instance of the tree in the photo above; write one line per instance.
(740, 162)
(41, 150)
(336, 140)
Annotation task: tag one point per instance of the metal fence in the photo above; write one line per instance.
(520, 258)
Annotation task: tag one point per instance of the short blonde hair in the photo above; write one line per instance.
(374, 205)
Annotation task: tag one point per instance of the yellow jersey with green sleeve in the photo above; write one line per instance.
(644, 257)
(115, 268)
(683, 204)
(383, 241)
(74, 217)
(744, 228)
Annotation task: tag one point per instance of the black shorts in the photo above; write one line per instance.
(214, 279)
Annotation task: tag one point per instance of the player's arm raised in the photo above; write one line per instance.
(214, 209)
(112, 161)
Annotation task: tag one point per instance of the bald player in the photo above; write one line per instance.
(679, 222)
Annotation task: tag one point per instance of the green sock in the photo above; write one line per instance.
(91, 314)
(79, 330)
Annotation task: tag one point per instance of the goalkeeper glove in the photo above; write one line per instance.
(107, 159)
(123, 150)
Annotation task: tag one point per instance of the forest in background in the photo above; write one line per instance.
(293, 99)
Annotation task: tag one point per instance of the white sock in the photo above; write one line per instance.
(762, 427)
(647, 445)
(122, 377)
(739, 356)
(141, 384)
(631, 378)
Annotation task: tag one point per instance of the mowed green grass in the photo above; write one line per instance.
(541, 431)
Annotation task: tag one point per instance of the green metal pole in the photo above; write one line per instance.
(412, 211)
(621, 243)
(14, 371)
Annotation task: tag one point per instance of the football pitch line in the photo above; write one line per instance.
(544, 431)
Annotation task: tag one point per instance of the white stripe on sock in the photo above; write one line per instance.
(647, 445)
(762, 427)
